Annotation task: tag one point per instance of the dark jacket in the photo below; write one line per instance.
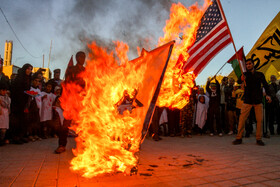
(22, 83)
(215, 98)
(253, 93)
(274, 88)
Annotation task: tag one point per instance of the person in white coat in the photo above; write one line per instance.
(5, 102)
(201, 112)
(47, 111)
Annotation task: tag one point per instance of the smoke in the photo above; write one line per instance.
(137, 23)
(72, 24)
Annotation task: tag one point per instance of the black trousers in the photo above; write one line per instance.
(214, 113)
(273, 114)
(63, 133)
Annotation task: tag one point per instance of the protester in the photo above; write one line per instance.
(173, 115)
(252, 98)
(39, 74)
(71, 76)
(56, 81)
(61, 125)
(223, 87)
(214, 109)
(186, 116)
(58, 90)
(46, 115)
(237, 93)
(5, 102)
(230, 107)
(34, 109)
(19, 101)
(273, 107)
(154, 128)
(201, 112)
(3, 77)
(72, 72)
(163, 121)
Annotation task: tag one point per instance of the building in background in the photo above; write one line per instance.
(9, 69)
(8, 53)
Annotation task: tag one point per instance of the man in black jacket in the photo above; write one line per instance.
(214, 106)
(252, 98)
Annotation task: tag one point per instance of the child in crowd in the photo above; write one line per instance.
(5, 102)
(238, 93)
(57, 91)
(61, 124)
(163, 121)
(46, 115)
(201, 112)
(34, 109)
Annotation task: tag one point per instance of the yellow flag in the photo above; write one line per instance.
(267, 49)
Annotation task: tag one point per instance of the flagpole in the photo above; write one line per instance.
(222, 11)
(220, 68)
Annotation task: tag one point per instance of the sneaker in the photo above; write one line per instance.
(60, 149)
(237, 141)
(260, 142)
(220, 134)
(31, 138)
(211, 134)
(230, 133)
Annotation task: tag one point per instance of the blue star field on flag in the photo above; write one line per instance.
(210, 19)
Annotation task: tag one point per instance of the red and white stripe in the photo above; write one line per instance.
(206, 48)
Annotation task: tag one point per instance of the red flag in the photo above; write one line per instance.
(70, 64)
(212, 36)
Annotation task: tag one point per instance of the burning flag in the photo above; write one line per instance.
(107, 138)
(203, 32)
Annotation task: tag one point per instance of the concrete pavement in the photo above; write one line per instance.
(173, 161)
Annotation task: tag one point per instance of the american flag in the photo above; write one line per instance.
(212, 36)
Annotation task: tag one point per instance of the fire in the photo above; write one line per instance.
(108, 139)
(182, 27)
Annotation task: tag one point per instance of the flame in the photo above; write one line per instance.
(182, 27)
(107, 142)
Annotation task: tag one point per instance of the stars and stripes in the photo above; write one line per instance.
(212, 36)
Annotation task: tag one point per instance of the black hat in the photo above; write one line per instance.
(56, 71)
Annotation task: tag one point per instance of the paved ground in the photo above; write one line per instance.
(173, 161)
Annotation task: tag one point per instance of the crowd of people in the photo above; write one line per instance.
(30, 107)
(225, 108)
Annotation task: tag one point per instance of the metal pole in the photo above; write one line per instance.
(43, 60)
(220, 69)
(222, 11)
(50, 54)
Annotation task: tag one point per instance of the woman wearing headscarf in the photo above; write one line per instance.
(19, 101)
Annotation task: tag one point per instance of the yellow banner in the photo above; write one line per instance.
(267, 49)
